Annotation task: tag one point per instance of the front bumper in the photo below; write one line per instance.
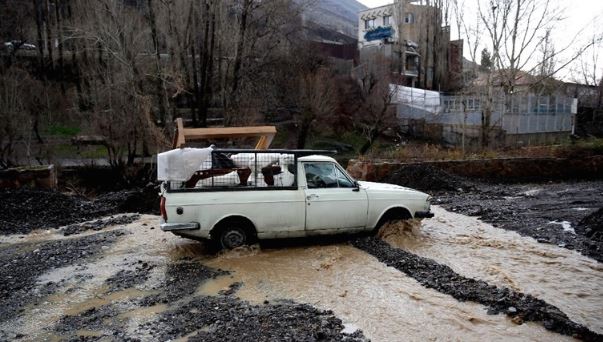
(423, 214)
(170, 227)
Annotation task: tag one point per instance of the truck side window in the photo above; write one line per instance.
(320, 175)
(343, 180)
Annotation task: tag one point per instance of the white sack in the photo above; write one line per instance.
(284, 178)
(180, 164)
(229, 179)
(248, 160)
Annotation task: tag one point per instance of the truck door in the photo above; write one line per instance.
(332, 199)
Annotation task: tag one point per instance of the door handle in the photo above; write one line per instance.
(311, 197)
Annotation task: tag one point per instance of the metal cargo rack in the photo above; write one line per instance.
(248, 169)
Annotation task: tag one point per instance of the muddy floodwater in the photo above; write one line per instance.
(561, 277)
(365, 294)
(134, 281)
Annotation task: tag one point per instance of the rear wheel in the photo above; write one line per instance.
(233, 237)
(234, 233)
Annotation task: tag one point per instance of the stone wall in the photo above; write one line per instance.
(41, 177)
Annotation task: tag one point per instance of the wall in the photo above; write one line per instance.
(496, 170)
(516, 121)
(39, 177)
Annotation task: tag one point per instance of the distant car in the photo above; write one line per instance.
(240, 196)
(10, 46)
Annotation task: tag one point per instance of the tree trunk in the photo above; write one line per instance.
(58, 10)
(204, 63)
(196, 92)
(48, 34)
(372, 136)
(304, 130)
(158, 78)
(39, 33)
(236, 75)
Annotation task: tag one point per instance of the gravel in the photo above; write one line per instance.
(24, 210)
(565, 214)
(206, 318)
(427, 178)
(21, 265)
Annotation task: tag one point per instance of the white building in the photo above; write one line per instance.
(411, 35)
(377, 26)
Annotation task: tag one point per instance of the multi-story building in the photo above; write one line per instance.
(412, 35)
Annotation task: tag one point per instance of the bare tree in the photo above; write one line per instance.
(316, 101)
(375, 114)
(120, 106)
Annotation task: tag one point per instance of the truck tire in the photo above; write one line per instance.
(233, 237)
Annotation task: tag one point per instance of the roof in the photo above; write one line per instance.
(317, 158)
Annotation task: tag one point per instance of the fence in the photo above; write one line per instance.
(514, 118)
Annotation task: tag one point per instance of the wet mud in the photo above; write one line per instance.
(25, 210)
(475, 249)
(520, 307)
(364, 293)
(227, 319)
(122, 278)
(125, 279)
(22, 264)
(135, 282)
(428, 178)
(554, 213)
(99, 224)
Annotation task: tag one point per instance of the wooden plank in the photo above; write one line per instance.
(179, 139)
(264, 142)
(265, 133)
(228, 132)
(269, 139)
(261, 143)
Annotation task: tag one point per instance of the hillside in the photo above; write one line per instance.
(337, 15)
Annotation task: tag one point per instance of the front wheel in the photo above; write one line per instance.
(233, 237)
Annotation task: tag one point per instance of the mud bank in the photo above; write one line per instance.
(554, 213)
(25, 210)
(507, 170)
(519, 306)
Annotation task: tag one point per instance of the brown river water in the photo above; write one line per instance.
(365, 294)
(561, 277)
(383, 302)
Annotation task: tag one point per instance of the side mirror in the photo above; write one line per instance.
(357, 186)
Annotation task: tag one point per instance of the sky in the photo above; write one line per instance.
(582, 18)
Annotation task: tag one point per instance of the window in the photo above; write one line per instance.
(326, 175)
(369, 24)
(343, 180)
(386, 20)
(409, 18)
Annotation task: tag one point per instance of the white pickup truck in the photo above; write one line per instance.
(238, 196)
